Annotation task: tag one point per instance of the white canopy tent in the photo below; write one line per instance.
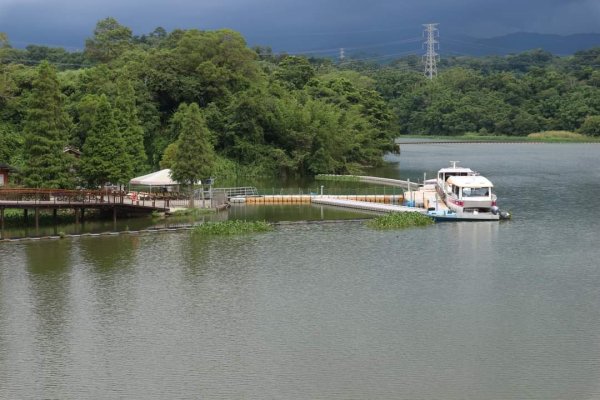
(158, 178)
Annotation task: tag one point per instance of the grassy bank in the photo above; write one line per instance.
(400, 221)
(232, 227)
(547, 136)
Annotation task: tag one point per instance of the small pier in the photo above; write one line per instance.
(306, 199)
(376, 203)
(36, 200)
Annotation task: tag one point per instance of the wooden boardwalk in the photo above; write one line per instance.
(79, 201)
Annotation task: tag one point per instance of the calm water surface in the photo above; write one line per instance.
(454, 311)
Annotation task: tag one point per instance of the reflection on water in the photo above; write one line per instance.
(456, 310)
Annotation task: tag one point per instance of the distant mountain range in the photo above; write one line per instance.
(376, 46)
(522, 41)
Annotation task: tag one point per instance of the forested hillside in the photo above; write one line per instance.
(129, 104)
(513, 95)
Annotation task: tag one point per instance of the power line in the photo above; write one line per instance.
(335, 50)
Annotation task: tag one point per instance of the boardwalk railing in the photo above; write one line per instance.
(47, 198)
(237, 191)
(60, 196)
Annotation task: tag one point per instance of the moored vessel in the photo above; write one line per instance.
(467, 196)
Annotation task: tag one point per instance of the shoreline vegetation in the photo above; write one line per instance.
(544, 137)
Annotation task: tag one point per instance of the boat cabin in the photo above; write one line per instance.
(445, 174)
(471, 191)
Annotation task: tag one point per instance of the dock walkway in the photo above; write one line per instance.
(365, 205)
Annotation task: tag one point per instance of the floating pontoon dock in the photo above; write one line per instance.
(365, 205)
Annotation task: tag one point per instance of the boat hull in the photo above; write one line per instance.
(463, 216)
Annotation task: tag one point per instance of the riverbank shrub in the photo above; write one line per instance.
(400, 221)
(232, 227)
(558, 135)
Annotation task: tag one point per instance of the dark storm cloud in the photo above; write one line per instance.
(69, 22)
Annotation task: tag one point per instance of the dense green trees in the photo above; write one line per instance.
(465, 100)
(128, 102)
(194, 158)
(45, 128)
(110, 40)
(105, 157)
(129, 127)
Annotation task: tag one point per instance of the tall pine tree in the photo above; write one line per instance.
(104, 157)
(46, 128)
(129, 126)
(195, 155)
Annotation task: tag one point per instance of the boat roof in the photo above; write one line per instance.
(470, 181)
(456, 169)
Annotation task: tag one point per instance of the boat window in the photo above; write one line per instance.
(476, 192)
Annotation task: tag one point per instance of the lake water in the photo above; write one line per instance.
(482, 310)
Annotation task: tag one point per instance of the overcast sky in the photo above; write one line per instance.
(293, 23)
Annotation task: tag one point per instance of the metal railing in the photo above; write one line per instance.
(237, 191)
(60, 196)
(333, 190)
(63, 197)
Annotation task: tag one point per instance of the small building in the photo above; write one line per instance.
(75, 152)
(5, 171)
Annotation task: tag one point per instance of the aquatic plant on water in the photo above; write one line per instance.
(400, 221)
(232, 227)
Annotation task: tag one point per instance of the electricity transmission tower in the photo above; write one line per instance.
(431, 58)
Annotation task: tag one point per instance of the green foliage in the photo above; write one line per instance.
(104, 157)
(46, 129)
(462, 100)
(591, 126)
(232, 227)
(4, 43)
(11, 145)
(266, 113)
(129, 126)
(295, 71)
(110, 40)
(194, 157)
(558, 136)
(200, 67)
(169, 156)
(400, 221)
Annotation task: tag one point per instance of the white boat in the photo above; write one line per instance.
(467, 195)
